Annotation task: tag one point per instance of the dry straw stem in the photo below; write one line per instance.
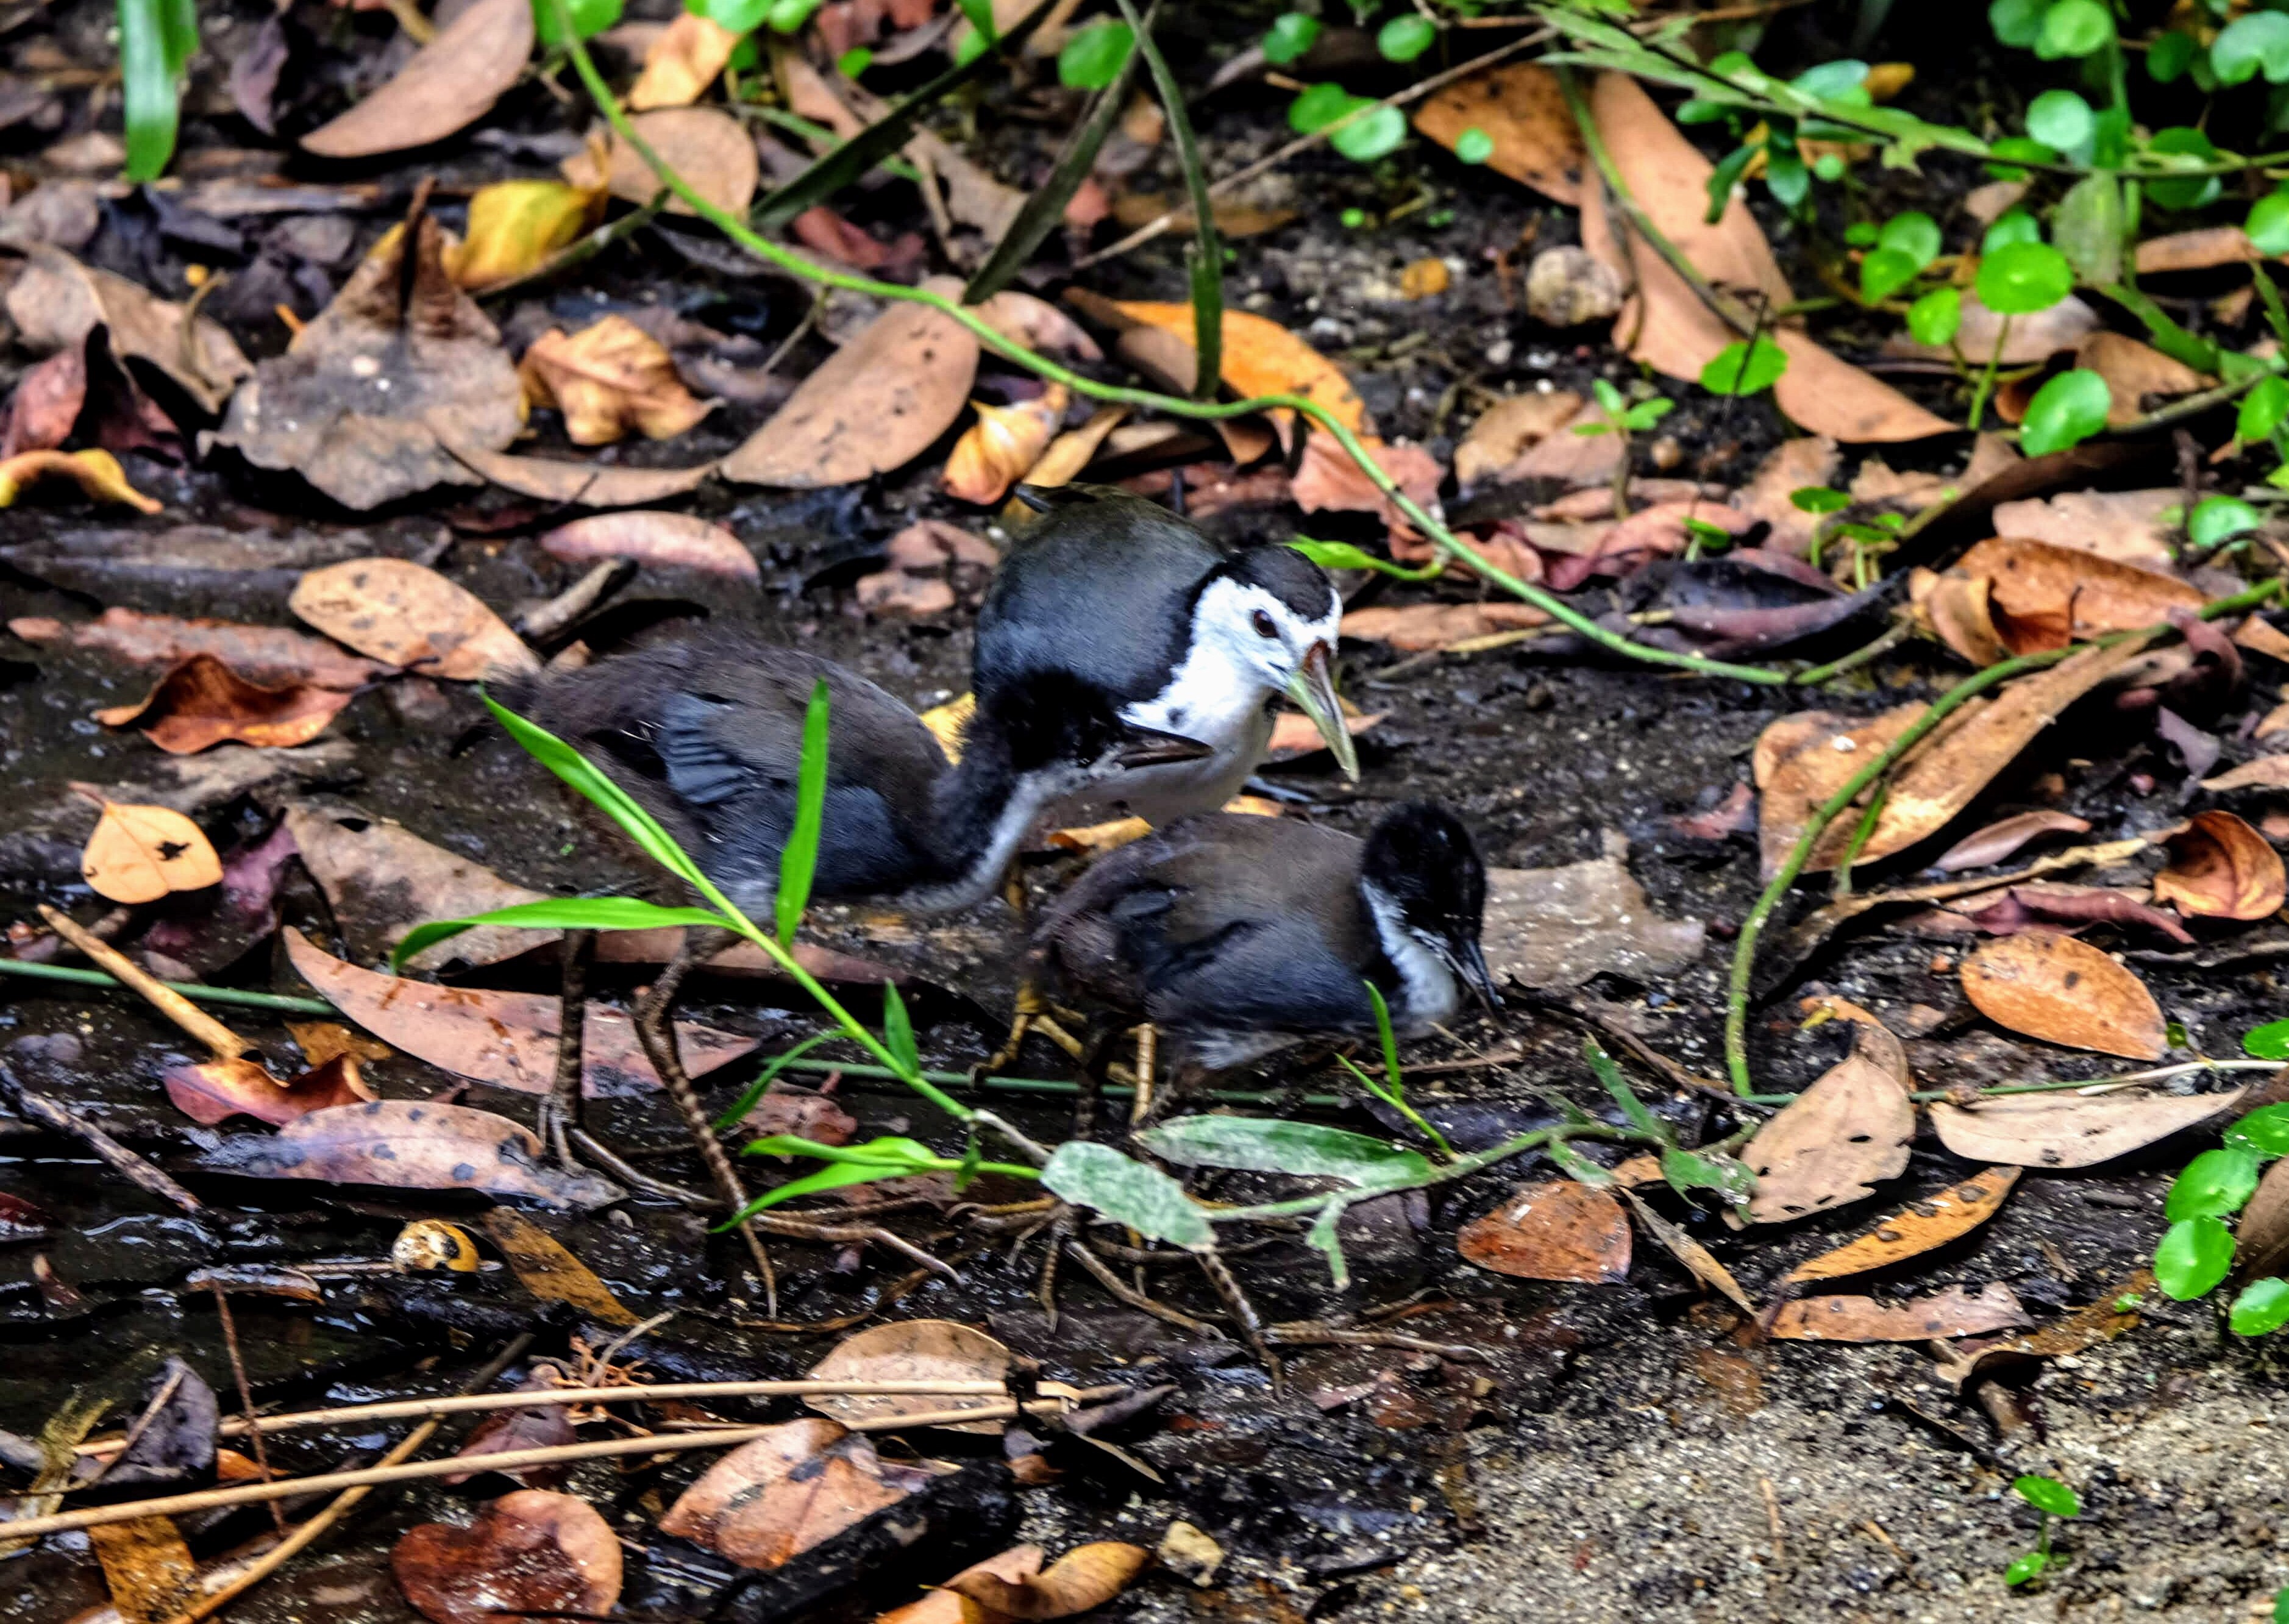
(225, 1043)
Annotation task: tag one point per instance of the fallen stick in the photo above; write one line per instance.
(136, 1170)
(225, 1043)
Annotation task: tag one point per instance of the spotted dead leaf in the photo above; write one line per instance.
(432, 1243)
(202, 702)
(2045, 596)
(97, 472)
(2070, 1130)
(531, 1553)
(396, 611)
(1521, 109)
(260, 654)
(580, 484)
(367, 396)
(1916, 1229)
(770, 1500)
(139, 853)
(212, 1090)
(1557, 1230)
(2066, 991)
(608, 379)
(516, 226)
(2221, 868)
(665, 540)
(410, 1144)
(706, 147)
(56, 302)
(681, 62)
(147, 1567)
(1085, 1578)
(1840, 1138)
(447, 85)
(2000, 839)
(1952, 1313)
(548, 1269)
(998, 449)
(909, 1351)
(876, 405)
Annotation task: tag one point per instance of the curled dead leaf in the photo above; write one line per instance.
(2000, 839)
(396, 610)
(2065, 991)
(201, 701)
(432, 1243)
(1084, 1578)
(876, 405)
(1952, 1313)
(449, 85)
(682, 62)
(997, 451)
(2136, 373)
(2263, 1233)
(2127, 526)
(1957, 610)
(1917, 1228)
(665, 540)
(1036, 323)
(1072, 451)
(705, 146)
(141, 853)
(410, 1144)
(260, 654)
(1838, 1139)
(213, 1090)
(97, 472)
(1557, 1230)
(609, 378)
(532, 1552)
(909, 1351)
(56, 303)
(2068, 1129)
(1328, 481)
(1504, 431)
(770, 1500)
(2045, 596)
(2221, 868)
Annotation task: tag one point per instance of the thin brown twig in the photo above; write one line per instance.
(253, 1431)
(55, 1114)
(1129, 1295)
(224, 1043)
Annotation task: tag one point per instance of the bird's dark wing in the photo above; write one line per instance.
(1277, 975)
(1102, 589)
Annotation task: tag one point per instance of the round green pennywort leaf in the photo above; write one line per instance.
(2264, 1131)
(2215, 1184)
(2021, 278)
(734, 16)
(1352, 218)
(2016, 22)
(1290, 35)
(2254, 43)
(1741, 369)
(1318, 106)
(2268, 223)
(2263, 1306)
(1914, 234)
(1093, 57)
(1829, 167)
(589, 18)
(1885, 273)
(2216, 519)
(2269, 1041)
(2012, 225)
(2194, 1256)
(2047, 1494)
(1934, 318)
(2060, 119)
(1474, 146)
(2170, 55)
(1862, 233)
(2030, 1566)
(2184, 141)
(1819, 499)
(2262, 409)
(2074, 27)
(1405, 38)
(2065, 411)
(1371, 136)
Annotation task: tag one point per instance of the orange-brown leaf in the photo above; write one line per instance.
(395, 611)
(1952, 1313)
(2221, 868)
(997, 451)
(1557, 1230)
(1085, 1578)
(97, 472)
(682, 62)
(2046, 596)
(1261, 357)
(215, 1089)
(1522, 110)
(1838, 1139)
(141, 853)
(2063, 990)
(609, 378)
(1916, 1229)
(2066, 1129)
(202, 702)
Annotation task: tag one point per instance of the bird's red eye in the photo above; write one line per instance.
(1263, 624)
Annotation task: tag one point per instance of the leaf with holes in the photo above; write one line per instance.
(1946, 1215)
(2068, 1130)
(1840, 1138)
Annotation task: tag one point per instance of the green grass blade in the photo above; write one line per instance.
(898, 1029)
(1618, 1086)
(1047, 206)
(862, 152)
(737, 1109)
(150, 85)
(557, 913)
(1207, 249)
(799, 861)
(576, 770)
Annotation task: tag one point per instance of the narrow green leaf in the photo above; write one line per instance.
(798, 858)
(1206, 268)
(1687, 1171)
(2195, 1255)
(1307, 1150)
(2262, 1308)
(1727, 175)
(2047, 1494)
(1146, 1199)
(736, 1111)
(899, 1029)
(557, 913)
(151, 54)
(576, 770)
(1626, 1097)
(1326, 1237)
(891, 1151)
(1819, 499)
(2164, 334)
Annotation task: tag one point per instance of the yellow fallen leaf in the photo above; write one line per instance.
(947, 722)
(607, 378)
(682, 62)
(141, 853)
(994, 452)
(515, 226)
(1261, 357)
(1072, 451)
(99, 474)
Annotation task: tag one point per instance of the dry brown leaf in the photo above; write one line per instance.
(202, 702)
(532, 1552)
(2029, 338)
(682, 62)
(2261, 636)
(1261, 357)
(1915, 1229)
(665, 540)
(995, 452)
(410, 1144)
(609, 378)
(2065, 991)
(1674, 333)
(1413, 626)
(2221, 868)
(56, 302)
(876, 405)
(1698, 1259)
(1553, 928)
(141, 853)
(2000, 839)
(1577, 460)
(2263, 1232)
(944, 1605)
(1329, 481)
(395, 611)
(736, 1478)
(2135, 372)
(2067, 1129)
(909, 1351)
(1557, 1230)
(2266, 772)
(1523, 111)
(215, 1089)
(1074, 450)
(1958, 610)
(579, 483)
(1809, 460)
(449, 85)
(2122, 525)
(2102, 1321)
(1838, 1139)
(1505, 430)
(97, 472)
(364, 398)
(147, 1568)
(380, 880)
(1085, 1578)
(548, 1269)
(768, 1501)
(1037, 324)
(1952, 1313)
(2195, 251)
(705, 146)
(260, 654)
(2047, 596)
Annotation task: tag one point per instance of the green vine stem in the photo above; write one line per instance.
(1745, 951)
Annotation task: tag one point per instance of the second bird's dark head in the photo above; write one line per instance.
(1423, 858)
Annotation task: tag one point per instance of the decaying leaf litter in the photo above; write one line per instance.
(388, 484)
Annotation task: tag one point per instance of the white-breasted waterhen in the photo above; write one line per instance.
(1237, 937)
(1181, 634)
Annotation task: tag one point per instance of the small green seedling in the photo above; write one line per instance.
(1621, 417)
(1392, 1089)
(2055, 1500)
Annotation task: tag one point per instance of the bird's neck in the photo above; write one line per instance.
(983, 808)
(1427, 991)
(1212, 696)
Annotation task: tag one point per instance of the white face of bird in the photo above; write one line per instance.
(1258, 635)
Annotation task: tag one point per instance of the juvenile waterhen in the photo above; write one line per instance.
(1180, 632)
(1237, 937)
(706, 733)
